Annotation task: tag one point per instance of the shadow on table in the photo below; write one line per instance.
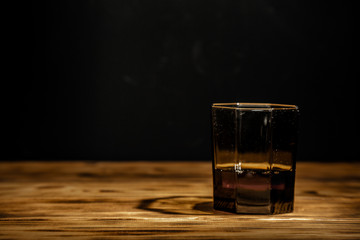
(183, 205)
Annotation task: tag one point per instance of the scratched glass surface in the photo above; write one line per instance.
(254, 157)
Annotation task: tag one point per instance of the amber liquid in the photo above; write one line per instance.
(254, 191)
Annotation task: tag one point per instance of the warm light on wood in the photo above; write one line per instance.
(166, 200)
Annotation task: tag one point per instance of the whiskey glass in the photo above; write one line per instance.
(254, 151)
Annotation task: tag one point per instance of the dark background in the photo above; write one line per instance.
(134, 79)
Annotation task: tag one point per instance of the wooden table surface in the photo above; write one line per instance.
(165, 200)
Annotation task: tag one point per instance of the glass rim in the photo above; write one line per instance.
(255, 106)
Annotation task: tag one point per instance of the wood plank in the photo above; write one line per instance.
(165, 200)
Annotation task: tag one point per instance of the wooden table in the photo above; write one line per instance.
(165, 200)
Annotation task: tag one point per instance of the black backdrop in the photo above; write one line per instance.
(134, 79)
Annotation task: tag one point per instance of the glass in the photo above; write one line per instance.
(254, 157)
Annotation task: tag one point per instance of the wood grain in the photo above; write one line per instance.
(165, 200)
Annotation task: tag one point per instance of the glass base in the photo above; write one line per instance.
(254, 191)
